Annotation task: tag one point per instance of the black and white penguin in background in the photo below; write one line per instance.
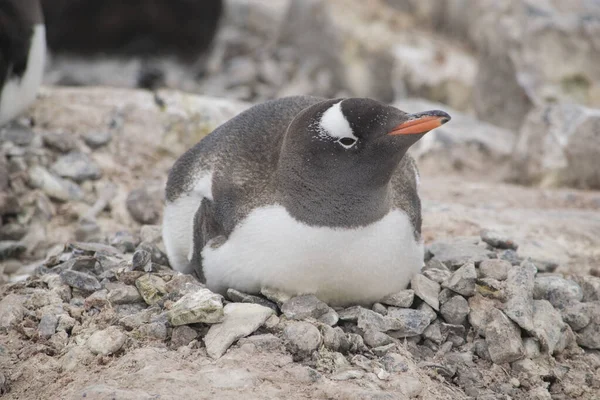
(22, 55)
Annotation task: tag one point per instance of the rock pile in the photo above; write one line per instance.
(476, 305)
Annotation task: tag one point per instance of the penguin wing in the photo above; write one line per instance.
(206, 229)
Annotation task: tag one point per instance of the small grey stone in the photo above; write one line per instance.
(275, 295)
(153, 330)
(240, 297)
(240, 320)
(558, 291)
(519, 295)
(437, 275)
(124, 241)
(394, 362)
(453, 333)
(434, 333)
(462, 281)
(403, 298)
(590, 286)
(47, 326)
(335, 338)
(374, 338)
(302, 338)
(151, 288)
(503, 338)
(445, 295)
(97, 139)
(107, 341)
(381, 309)
(144, 206)
(330, 318)
(457, 252)
(590, 335)
(357, 344)
(368, 319)
(65, 323)
(77, 166)
(202, 306)
(182, 336)
(80, 280)
(17, 133)
(350, 314)
(497, 240)
(11, 249)
(302, 307)
(455, 310)
(495, 269)
(434, 263)
(575, 314)
(532, 348)
(62, 142)
(548, 325)
(479, 314)
(480, 347)
(157, 255)
(427, 290)
(119, 293)
(263, 342)
(383, 350)
(426, 308)
(406, 322)
(136, 319)
(141, 258)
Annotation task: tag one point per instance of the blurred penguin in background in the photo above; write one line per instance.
(22, 55)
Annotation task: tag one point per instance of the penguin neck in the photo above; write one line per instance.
(319, 200)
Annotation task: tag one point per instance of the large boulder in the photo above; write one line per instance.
(559, 145)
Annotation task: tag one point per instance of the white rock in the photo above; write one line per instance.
(107, 341)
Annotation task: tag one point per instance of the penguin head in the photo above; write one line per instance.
(361, 138)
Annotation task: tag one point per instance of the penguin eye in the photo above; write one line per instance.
(347, 142)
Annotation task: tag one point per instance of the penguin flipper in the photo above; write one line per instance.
(206, 229)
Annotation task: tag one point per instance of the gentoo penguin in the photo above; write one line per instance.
(22, 55)
(303, 195)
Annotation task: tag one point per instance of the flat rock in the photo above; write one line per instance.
(240, 320)
(495, 269)
(240, 297)
(462, 281)
(302, 338)
(403, 298)
(427, 290)
(480, 308)
(548, 325)
(80, 280)
(151, 288)
(303, 307)
(457, 252)
(503, 338)
(374, 338)
(47, 325)
(77, 166)
(276, 296)
(519, 295)
(107, 341)
(498, 240)
(119, 293)
(455, 310)
(437, 275)
(11, 311)
(558, 291)
(201, 306)
(406, 322)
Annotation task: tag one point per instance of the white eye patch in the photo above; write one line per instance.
(335, 125)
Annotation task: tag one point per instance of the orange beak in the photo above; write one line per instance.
(421, 123)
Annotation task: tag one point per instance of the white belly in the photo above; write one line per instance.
(18, 94)
(340, 266)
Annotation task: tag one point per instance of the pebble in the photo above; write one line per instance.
(97, 139)
(47, 326)
(143, 206)
(77, 166)
(240, 297)
(403, 298)
(153, 330)
(264, 342)
(434, 333)
(426, 308)
(383, 350)
(519, 295)
(335, 338)
(558, 291)
(12, 311)
(97, 300)
(302, 338)
(503, 338)
(375, 338)
(182, 336)
(65, 323)
(590, 286)
(590, 335)
(151, 234)
(497, 240)
(406, 322)
(480, 308)
(119, 293)
(457, 252)
(11, 249)
(548, 325)
(201, 306)
(532, 348)
(276, 296)
(303, 307)
(55, 187)
(80, 280)
(107, 341)
(575, 314)
(462, 281)
(495, 269)
(437, 275)
(62, 142)
(445, 295)
(455, 310)
(240, 320)
(158, 256)
(427, 290)
(141, 258)
(151, 288)
(380, 308)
